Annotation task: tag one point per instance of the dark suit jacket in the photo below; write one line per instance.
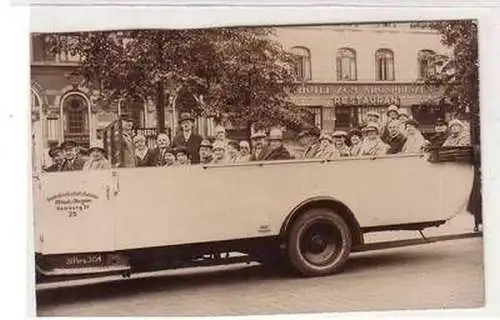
(157, 157)
(277, 154)
(193, 145)
(149, 159)
(76, 164)
(396, 144)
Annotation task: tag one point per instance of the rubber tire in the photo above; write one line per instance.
(298, 262)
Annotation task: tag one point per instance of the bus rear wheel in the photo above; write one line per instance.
(319, 242)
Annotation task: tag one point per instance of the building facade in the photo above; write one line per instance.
(346, 71)
(352, 69)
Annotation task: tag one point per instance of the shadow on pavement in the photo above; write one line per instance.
(129, 287)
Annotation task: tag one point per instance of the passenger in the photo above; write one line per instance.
(276, 150)
(73, 161)
(326, 149)
(232, 151)
(162, 144)
(169, 157)
(144, 157)
(392, 114)
(355, 138)
(308, 139)
(259, 145)
(182, 156)
(98, 159)
(57, 156)
(415, 142)
(458, 137)
(219, 150)
(372, 145)
(205, 152)
(403, 117)
(244, 151)
(340, 146)
(395, 139)
(440, 133)
(127, 143)
(220, 134)
(188, 138)
(373, 117)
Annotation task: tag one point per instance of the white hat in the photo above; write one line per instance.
(455, 122)
(218, 145)
(244, 144)
(373, 113)
(392, 107)
(325, 136)
(275, 134)
(339, 134)
(220, 129)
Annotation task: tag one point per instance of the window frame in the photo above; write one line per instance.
(385, 74)
(304, 60)
(352, 62)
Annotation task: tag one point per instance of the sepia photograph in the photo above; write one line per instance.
(257, 170)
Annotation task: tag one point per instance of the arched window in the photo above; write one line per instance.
(384, 64)
(76, 118)
(302, 62)
(426, 66)
(346, 64)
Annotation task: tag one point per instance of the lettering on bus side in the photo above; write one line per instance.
(72, 203)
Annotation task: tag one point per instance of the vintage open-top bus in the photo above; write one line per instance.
(306, 214)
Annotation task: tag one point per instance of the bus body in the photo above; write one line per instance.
(132, 214)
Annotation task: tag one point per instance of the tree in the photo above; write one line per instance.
(459, 72)
(240, 74)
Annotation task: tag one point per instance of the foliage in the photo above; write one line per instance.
(236, 73)
(458, 72)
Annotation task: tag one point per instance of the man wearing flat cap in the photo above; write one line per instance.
(128, 147)
(74, 160)
(57, 156)
(188, 138)
(259, 145)
(308, 139)
(206, 156)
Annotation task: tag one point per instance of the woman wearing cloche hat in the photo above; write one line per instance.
(98, 158)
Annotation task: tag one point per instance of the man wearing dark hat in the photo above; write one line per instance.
(308, 139)
(395, 138)
(73, 160)
(188, 138)
(128, 147)
(275, 149)
(259, 145)
(182, 156)
(205, 152)
(57, 156)
(440, 134)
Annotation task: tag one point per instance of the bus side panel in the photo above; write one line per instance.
(74, 212)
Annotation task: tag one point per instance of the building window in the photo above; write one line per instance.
(384, 61)
(346, 64)
(302, 62)
(76, 116)
(346, 117)
(426, 66)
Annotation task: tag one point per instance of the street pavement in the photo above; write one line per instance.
(440, 275)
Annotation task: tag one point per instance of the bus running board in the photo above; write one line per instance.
(413, 242)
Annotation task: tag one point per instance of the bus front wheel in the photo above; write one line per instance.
(319, 242)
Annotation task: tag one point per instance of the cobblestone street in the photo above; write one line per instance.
(441, 275)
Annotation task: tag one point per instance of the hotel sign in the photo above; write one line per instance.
(369, 94)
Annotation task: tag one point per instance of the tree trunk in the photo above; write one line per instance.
(160, 107)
